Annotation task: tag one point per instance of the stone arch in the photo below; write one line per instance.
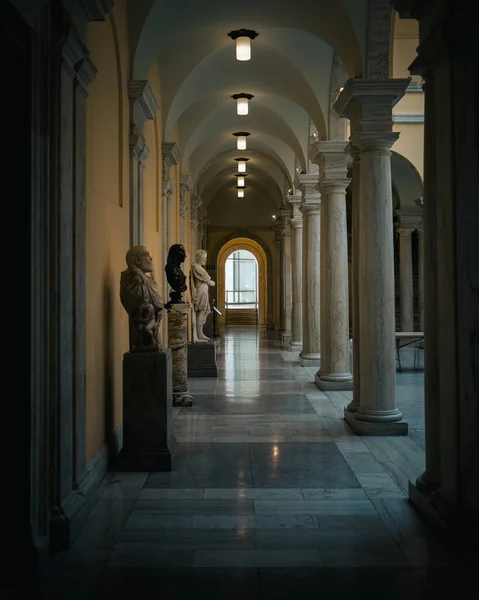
(221, 255)
(407, 182)
(269, 264)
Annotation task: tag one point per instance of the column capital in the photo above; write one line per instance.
(308, 184)
(296, 216)
(404, 231)
(368, 103)
(408, 220)
(333, 165)
(143, 101)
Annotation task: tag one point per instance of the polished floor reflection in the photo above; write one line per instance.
(271, 495)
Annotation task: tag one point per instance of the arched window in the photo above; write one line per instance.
(241, 279)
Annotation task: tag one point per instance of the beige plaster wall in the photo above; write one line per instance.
(411, 139)
(107, 226)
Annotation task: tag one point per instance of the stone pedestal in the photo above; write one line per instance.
(147, 424)
(202, 360)
(177, 342)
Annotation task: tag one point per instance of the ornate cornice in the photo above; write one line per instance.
(170, 153)
(143, 100)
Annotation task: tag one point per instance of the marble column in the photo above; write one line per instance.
(277, 275)
(334, 315)
(311, 210)
(362, 101)
(296, 342)
(286, 299)
(420, 266)
(448, 52)
(356, 325)
(143, 106)
(406, 291)
(178, 344)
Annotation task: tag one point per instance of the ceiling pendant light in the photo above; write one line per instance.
(240, 193)
(241, 164)
(241, 139)
(243, 39)
(241, 179)
(242, 103)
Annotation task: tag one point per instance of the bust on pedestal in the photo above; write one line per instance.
(178, 325)
(147, 390)
(202, 353)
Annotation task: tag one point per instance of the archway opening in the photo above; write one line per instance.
(241, 281)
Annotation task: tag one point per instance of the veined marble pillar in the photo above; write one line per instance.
(406, 291)
(362, 101)
(356, 329)
(296, 342)
(277, 278)
(286, 275)
(420, 267)
(334, 315)
(311, 209)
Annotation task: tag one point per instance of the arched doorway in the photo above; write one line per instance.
(245, 257)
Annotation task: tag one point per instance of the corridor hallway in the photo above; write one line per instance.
(271, 496)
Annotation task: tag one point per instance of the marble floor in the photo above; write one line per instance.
(271, 494)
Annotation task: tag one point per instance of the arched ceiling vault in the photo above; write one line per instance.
(261, 144)
(262, 167)
(340, 24)
(289, 76)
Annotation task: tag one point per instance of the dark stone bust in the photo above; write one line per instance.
(174, 274)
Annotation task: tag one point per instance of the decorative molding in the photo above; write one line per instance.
(171, 154)
(185, 182)
(86, 71)
(79, 503)
(96, 10)
(143, 101)
(72, 48)
(408, 118)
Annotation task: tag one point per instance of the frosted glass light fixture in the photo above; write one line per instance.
(242, 103)
(243, 39)
(240, 193)
(241, 164)
(241, 179)
(241, 139)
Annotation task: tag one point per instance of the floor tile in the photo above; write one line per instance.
(300, 465)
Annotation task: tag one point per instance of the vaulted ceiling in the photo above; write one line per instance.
(289, 74)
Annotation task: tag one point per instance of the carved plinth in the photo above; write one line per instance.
(178, 344)
(202, 360)
(147, 424)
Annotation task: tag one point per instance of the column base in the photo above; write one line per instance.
(285, 337)
(456, 527)
(328, 383)
(375, 427)
(310, 360)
